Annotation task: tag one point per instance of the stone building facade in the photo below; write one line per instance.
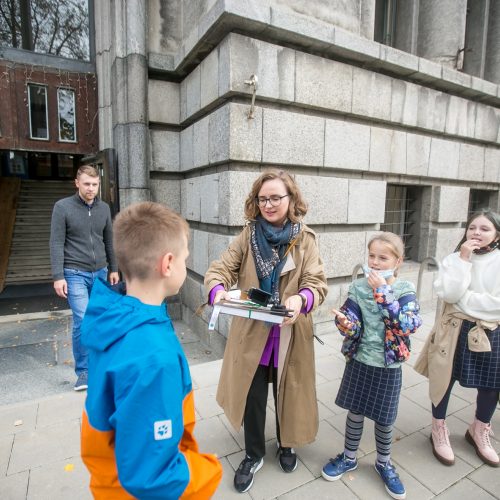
(386, 111)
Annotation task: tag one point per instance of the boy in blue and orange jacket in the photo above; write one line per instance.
(137, 427)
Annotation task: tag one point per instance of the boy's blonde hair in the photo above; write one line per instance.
(393, 242)
(142, 233)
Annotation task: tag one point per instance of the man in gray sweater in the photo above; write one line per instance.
(81, 250)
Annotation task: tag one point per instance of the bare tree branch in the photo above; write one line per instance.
(57, 26)
(10, 28)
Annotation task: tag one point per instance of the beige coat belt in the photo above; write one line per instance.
(436, 359)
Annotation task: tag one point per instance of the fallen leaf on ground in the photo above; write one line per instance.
(69, 467)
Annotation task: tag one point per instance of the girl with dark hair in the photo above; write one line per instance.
(464, 344)
(277, 253)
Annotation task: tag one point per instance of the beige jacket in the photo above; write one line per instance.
(297, 405)
(436, 358)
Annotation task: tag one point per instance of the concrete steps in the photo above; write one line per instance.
(29, 260)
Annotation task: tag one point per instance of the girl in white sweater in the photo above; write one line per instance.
(469, 279)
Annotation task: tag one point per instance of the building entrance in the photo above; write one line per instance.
(30, 184)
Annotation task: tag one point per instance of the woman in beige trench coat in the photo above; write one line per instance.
(277, 253)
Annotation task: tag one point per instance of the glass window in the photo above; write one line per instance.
(14, 164)
(66, 166)
(403, 216)
(66, 114)
(37, 95)
(398, 213)
(479, 199)
(59, 27)
(385, 21)
(41, 165)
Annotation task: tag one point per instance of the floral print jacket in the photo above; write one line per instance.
(400, 316)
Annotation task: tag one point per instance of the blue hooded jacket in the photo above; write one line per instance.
(139, 409)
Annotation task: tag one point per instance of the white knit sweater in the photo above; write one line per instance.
(473, 286)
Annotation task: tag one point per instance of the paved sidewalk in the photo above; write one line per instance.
(39, 443)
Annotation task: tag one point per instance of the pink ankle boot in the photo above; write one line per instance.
(440, 442)
(478, 435)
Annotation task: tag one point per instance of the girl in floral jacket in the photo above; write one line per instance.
(376, 320)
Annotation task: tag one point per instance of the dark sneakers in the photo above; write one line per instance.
(82, 382)
(287, 459)
(243, 479)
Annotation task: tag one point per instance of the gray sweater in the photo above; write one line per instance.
(81, 236)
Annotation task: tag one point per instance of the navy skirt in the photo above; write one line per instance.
(371, 390)
(477, 369)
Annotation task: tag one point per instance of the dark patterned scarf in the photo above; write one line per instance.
(488, 248)
(269, 244)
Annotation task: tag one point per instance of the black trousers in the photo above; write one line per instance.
(254, 420)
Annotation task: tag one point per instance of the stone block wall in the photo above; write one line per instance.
(345, 121)
(346, 115)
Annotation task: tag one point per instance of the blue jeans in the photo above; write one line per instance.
(79, 287)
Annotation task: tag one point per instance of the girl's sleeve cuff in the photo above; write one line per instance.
(211, 295)
(310, 300)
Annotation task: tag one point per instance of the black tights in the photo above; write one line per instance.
(486, 404)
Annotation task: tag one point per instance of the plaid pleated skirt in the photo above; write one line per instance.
(371, 390)
(477, 369)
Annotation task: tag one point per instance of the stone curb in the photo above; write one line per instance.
(14, 318)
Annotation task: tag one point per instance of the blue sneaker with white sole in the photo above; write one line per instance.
(338, 466)
(393, 484)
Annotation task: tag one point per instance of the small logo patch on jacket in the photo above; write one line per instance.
(163, 429)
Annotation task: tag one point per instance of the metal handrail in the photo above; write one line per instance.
(356, 270)
(428, 261)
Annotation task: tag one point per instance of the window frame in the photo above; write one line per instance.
(29, 86)
(397, 202)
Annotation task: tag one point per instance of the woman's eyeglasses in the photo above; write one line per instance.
(274, 200)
